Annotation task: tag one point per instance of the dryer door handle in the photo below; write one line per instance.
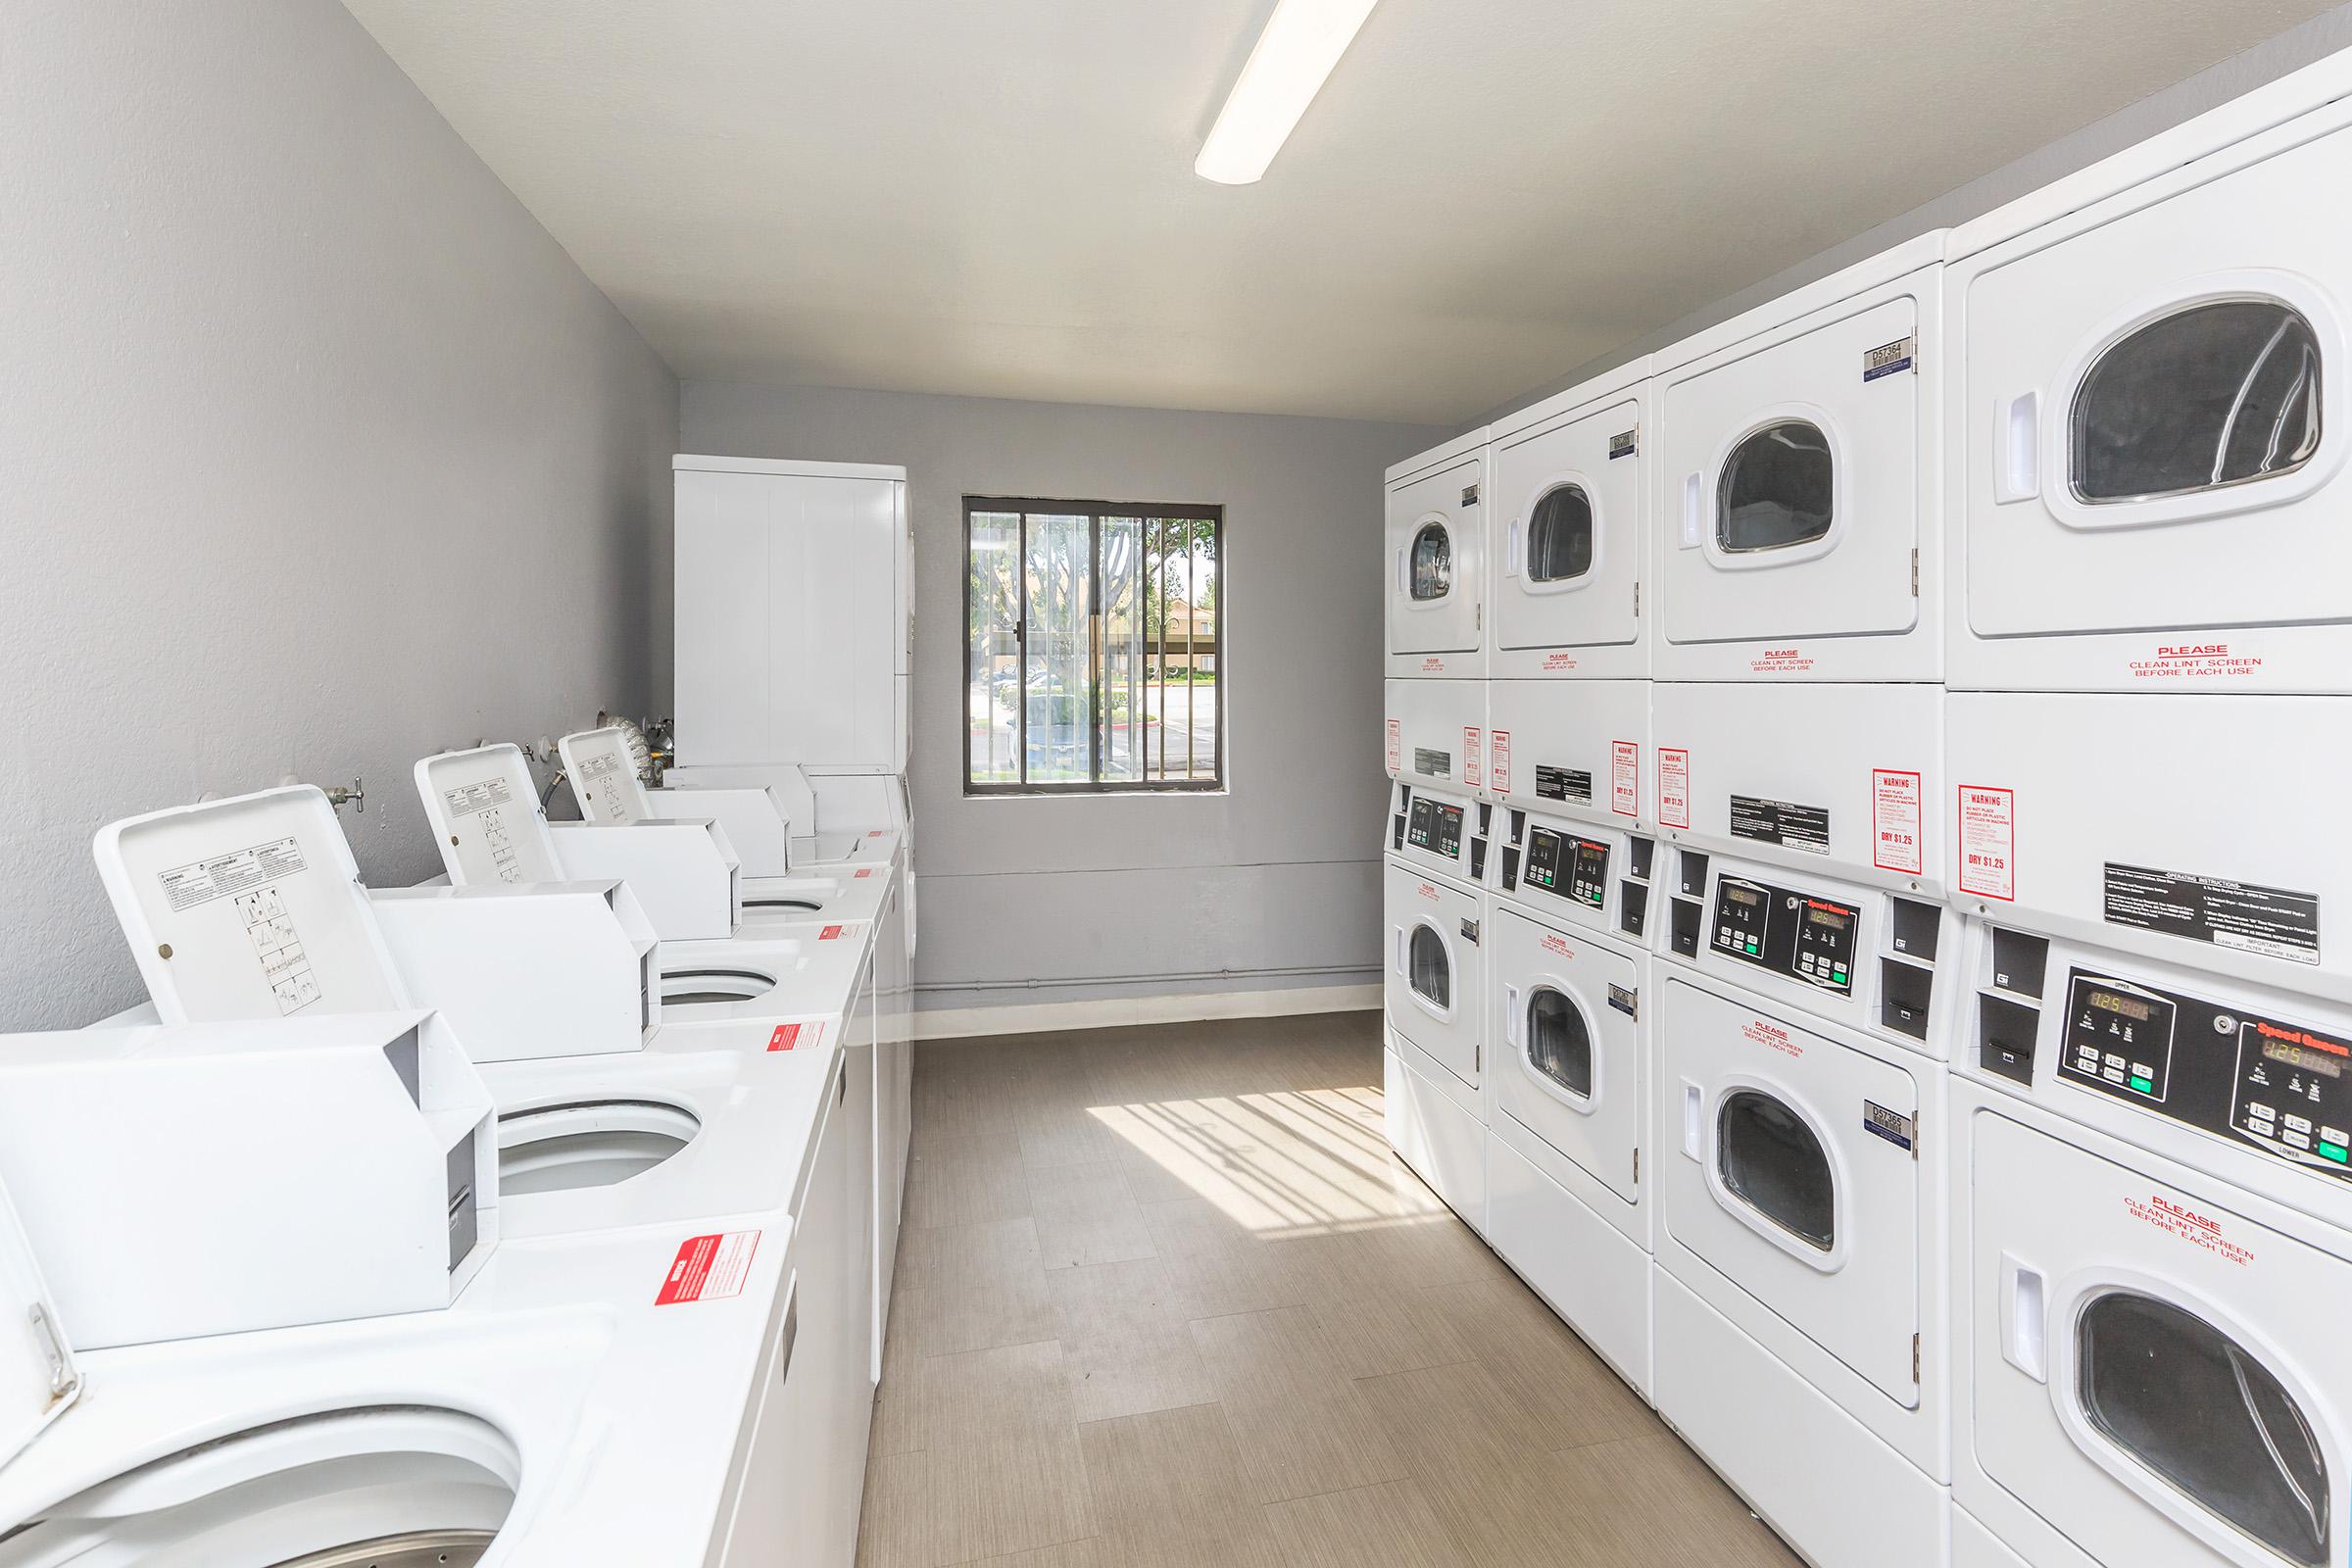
(1400, 569)
(1690, 510)
(1401, 949)
(2017, 465)
(1510, 1014)
(2025, 1318)
(1694, 1119)
(1510, 556)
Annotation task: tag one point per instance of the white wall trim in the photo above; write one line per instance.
(1109, 1012)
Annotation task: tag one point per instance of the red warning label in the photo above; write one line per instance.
(1473, 770)
(792, 1036)
(1554, 943)
(2196, 661)
(1772, 1037)
(1433, 665)
(2199, 1230)
(864, 871)
(1894, 820)
(1674, 786)
(1781, 662)
(1396, 743)
(709, 1268)
(1559, 662)
(1499, 758)
(1625, 778)
(1989, 841)
(831, 933)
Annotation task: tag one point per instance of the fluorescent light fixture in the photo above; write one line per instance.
(1303, 42)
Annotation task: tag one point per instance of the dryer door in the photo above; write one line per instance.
(2156, 413)
(1792, 1174)
(1434, 559)
(1791, 501)
(1434, 987)
(2160, 1379)
(1569, 505)
(1571, 1067)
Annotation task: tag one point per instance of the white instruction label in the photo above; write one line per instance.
(1498, 759)
(485, 803)
(1625, 778)
(1472, 769)
(1674, 786)
(1989, 841)
(187, 885)
(1894, 820)
(278, 945)
(1396, 743)
(610, 804)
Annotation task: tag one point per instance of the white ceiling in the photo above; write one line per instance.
(995, 197)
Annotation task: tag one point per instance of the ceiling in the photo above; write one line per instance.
(995, 197)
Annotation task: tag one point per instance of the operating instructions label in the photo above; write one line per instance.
(2239, 916)
(1791, 826)
(1430, 764)
(1625, 778)
(485, 803)
(226, 875)
(613, 806)
(709, 1268)
(1498, 759)
(279, 946)
(1563, 784)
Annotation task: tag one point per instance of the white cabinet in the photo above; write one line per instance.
(792, 634)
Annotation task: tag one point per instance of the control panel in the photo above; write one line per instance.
(1792, 934)
(1436, 827)
(2277, 1085)
(1571, 866)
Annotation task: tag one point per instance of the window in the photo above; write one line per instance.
(2215, 395)
(1433, 562)
(1770, 1159)
(1777, 489)
(1559, 536)
(2187, 1400)
(1432, 972)
(1092, 647)
(1558, 1043)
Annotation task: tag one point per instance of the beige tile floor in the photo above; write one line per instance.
(1166, 1299)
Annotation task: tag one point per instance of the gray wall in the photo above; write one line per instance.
(2299, 46)
(1270, 885)
(317, 453)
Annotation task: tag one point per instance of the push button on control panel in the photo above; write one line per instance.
(1795, 934)
(1573, 868)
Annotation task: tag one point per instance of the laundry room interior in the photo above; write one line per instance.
(1271, 782)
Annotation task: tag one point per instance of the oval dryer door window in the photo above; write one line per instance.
(1432, 564)
(1560, 535)
(1431, 970)
(1770, 1159)
(2220, 394)
(2204, 1416)
(1560, 1043)
(1778, 490)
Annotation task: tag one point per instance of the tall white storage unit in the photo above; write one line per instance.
(2151, 657)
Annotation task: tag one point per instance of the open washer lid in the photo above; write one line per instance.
(38, 1381)
(484, 810)
(604, 777)
(247, 908)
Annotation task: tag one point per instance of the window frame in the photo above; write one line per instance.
(1095, 512)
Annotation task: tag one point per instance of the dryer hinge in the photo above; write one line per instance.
(1636, 1167)
(1637, 599)
(1914, 1358)
(1915, 574)
(1478, 612)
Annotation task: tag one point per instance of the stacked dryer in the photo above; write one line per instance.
(1441, 819)
(1567, 1087)
(2150, 658)
(1799, 1016)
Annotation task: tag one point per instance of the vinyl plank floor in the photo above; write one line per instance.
(1166, 1299)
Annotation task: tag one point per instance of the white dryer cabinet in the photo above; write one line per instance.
(793, 632)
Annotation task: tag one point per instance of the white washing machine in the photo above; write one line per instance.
(1568, 1096)
(2149, 423)
(489, 829)
(573, 1406)
(1435, 561)
(1845, 781)
(2152, 1231)
(1571, 533)
(1799, 484)
(1801, 1283)
(2074, 819)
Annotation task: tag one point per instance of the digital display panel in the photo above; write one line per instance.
(1742, 894)
(1829, 918)
(2289, 1055)
(2133, 1008)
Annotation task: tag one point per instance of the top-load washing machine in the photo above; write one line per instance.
(2149, 416)
(1570, 535)
(2152, 1240)
(1797, 483)
(1569, 1179)
(1436, 559)
(1435, 863)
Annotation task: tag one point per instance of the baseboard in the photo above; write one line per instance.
(1110, 1013)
